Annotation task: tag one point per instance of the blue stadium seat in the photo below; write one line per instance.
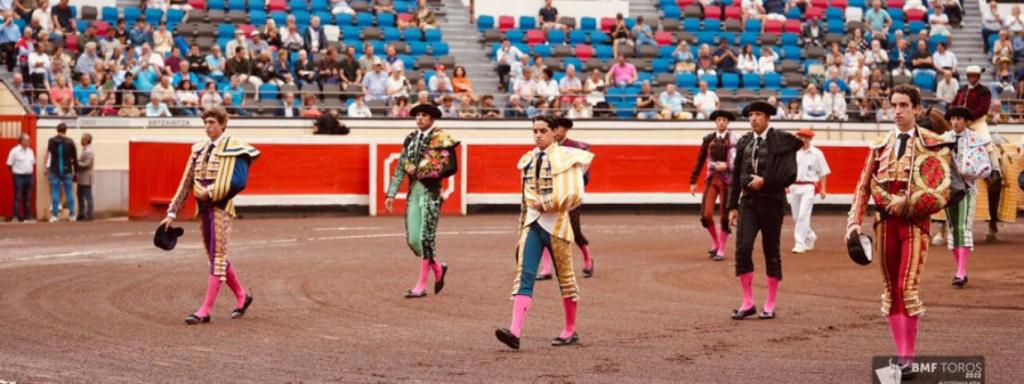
(322, 6)
(385, 19)
(728, 36)
(279, 17)
(326, 18)
(790, 38)
(749, 38)
(753, 26)
(661, 65)
(556, 37)
(706, 37)
(603, 51)
(225, 30)
(416, 34)
(772, 81)
(795, 13)
(417, 48)
(236, 5)
(665, 52)
(175, 16)
(630, 22)
(898, 25)
(364, 19)
(730, 81)
(836, 26)
(439, 49)
(349, 32)
(625, 109)
(640, 78)
(925, 80)
(588, 23)
(915, 26)
(857, 3)
(712, 81)
(257, 5)
(344, 19)
(268, 91)
(896, 14)
(577, 37)
(791, 52)
(576, 63)
(527, 22)
(687, 80)
(513, 35)
(354, 43)
(787, 94)
(484, 23)
(599, 37)
(297, 5)
(671, 12)
(691, 24)
(82, 24)
(131, 15)
(432, 35)
(751, 81)
(302, 19)
(405, 7)
(409, 61)
(712, 25)
(391, 34)
(378, 46)
(542, 50)
(833, 13)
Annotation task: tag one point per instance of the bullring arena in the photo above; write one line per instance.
(328, 267)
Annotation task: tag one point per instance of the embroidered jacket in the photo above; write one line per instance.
(432, 156)
(558, 189)
(223, 170)
(712, 150)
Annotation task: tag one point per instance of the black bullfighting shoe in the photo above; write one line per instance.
(738, 314)
(558, 341)
(239, 312)
(505, 336)
(193, 319)
(439, 285)
(415, 295)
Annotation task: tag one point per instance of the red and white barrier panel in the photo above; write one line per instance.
(335, 171)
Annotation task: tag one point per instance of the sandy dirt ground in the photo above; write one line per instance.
(96, 302)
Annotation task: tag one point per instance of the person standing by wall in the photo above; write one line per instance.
(61, 161)
(21, 160)
(83, 174)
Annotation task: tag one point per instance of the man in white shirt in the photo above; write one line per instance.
(570, 86)
(946, 90)
(546, 87)
(506, 56)
(358, 108)
(811, 172)
(943, 58)
(524, 86)
(706, 101)
(21, 161)
(835, 103)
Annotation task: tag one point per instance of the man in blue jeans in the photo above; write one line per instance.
(61, 161)
(21, 161)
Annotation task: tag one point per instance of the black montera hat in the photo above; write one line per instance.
(722, 113)
(759, 106)
(859, 247)
(166, 237)
(427, 108)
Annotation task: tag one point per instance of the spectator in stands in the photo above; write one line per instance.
(944, 59)
(384, 6)
(236, 91)
(1002, 47)
(995, 114)
(358, 108)
(622, 73)
(197, 62)
(487, 108)
(257, 45)
(813, 104)
(1014, 23)
(148, 56)
(901, 59)
(120, 33)
(643, 33)
(946, 89)
(140, 34)
(525, 85)
(291, 37)
(63, 19)
(401, 108)
(375, 82)
(108, 108)
(991, 23)
(305, 70)
(146, 78)
(685, 62)
(747, 62)
(705, 61)
(570, 86)
(368, 58)
(20, 88)
(186, 98)
(84, 88)
(811, 34)
(157, 108)
(448, 107)
(185, 73)
(876, 57)
(331, 71)
(310, 107)
(38, 61)
(793, 110)
(128, 109)
(210, 97)
(9, 36)
(752, 10)
(163, 91)
(725, 57)
(467, 108)
(87, 60)
(392, 62)
(579, 110)
(838, 80)
(1018, 46)
(766, 63)
(538, 65)
(877, 20)
(287, 107)
(922, 60)
(506, 56)
(1004, 78)
(539, 107)
(938, 21)
(66, 108)
(865, 112)
(424, 17)
(646, 102)
(858, 85)
(548, 16)
(705, 100)
(230, 106)
(835, 104)
(851, 58)
(272, 34)
(671, 102)
(440, 85)
(283, 71)
(163, 40)
(547, 88)
(515, 108)
(43, 107)
(60, 90)
(314, 39)
(173, 62)
(341, 6)
(241, 66)
(461, 82)
(620, 35)
(398, 85)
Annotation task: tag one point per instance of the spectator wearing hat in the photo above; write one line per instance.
(812, 170)
(718, 152)
(976, 97)
(764, 167)
(428, 157)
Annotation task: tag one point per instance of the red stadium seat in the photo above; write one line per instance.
(506, 23)
(247, 29)
(663, 38)
(534, 36)
(405, 18)
(814, 13)
(584, 52)
(197, 4)
(792, 26)
(277, 5)
(71, 42)
(914, 15)
(607, 23)
(733, 12)
(894, 4)
(685, 3)
(841, 4)
(712, 13)
(819, 3)
(773, 26)
(102, 27)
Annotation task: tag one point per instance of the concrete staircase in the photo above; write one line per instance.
(646, 8)
(464, 42)
(967, 43)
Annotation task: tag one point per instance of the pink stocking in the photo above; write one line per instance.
(723, 239)
(896, 327)
(747, 283)
(545, 263)
(421, 284)
(570, 317)
(212, 287)
(587, 261)
(715, 244)
(236, 286)
(909, 337)
(962, 253)
(520, 305)
(438, 271)
(773, 288)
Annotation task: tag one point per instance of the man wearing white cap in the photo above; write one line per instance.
(975, 96)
